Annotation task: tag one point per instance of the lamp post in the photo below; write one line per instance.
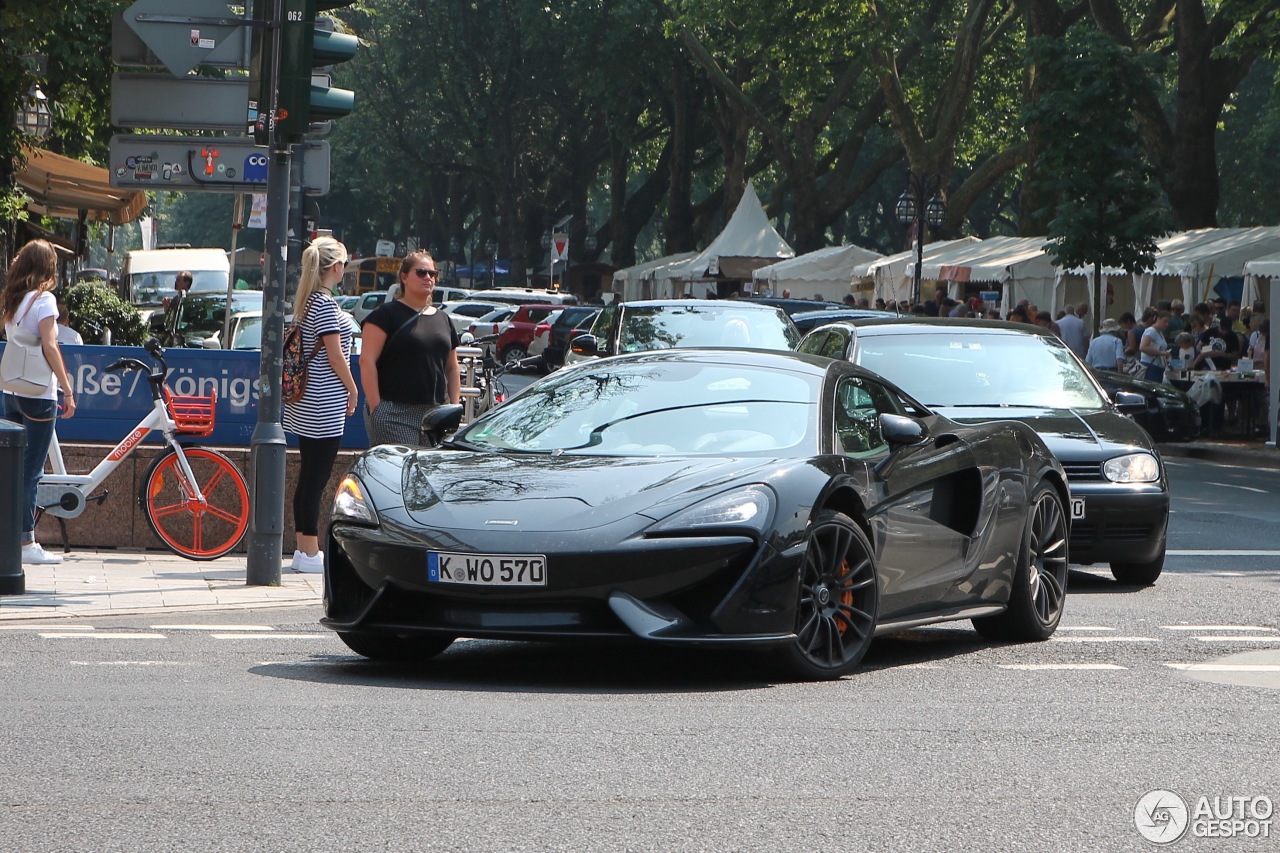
(34, 117)
(912, 209)
(491, 246)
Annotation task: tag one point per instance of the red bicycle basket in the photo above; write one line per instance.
(193, 415)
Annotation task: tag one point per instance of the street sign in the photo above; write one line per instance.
(130, 51)
(162, 101)
(559, 246)
(228, 164)
(184, 34)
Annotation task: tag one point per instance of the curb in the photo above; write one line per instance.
(1251, 457)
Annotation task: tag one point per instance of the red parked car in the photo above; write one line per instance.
(530, 323)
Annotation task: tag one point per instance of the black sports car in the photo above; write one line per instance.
(758, 499)
(979, 371)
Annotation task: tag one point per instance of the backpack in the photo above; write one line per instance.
(293, 378)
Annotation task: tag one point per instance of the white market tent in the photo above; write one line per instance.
(632, 282)
(827, 273)
(1268, 267)
(889, 274)
(1016, 266)
(747, 242)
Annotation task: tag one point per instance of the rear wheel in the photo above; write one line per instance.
(513, 352)
(839, 597)
(386, 647)
(198, 529)
(1039, 588)
(1139, 574)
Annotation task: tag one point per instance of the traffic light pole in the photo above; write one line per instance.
(267, 449)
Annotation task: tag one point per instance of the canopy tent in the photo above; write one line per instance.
(1016, 266)
(61, 187)
(629, 282)
(889, 273)
(1188, 266)
(747, 243)
(1268, 267)
(827, 273)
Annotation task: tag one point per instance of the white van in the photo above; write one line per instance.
(148, 274)
(524, 296)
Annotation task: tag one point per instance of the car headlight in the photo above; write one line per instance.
(750, 507)
(349, 503)
(1132, 468)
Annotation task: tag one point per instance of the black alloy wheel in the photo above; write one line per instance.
(1039, 588)
(839, 598)
(393, 649)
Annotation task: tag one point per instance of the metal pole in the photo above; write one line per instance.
(237, 214)
(267, 451)
(915, 297)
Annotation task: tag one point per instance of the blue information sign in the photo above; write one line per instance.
(109, 405)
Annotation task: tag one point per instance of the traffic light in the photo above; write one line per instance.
(302, 47)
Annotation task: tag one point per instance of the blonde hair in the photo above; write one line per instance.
(323, 253)
(35, 267)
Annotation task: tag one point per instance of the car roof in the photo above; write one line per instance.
(698, 303)
(792, 304)
(915, 325)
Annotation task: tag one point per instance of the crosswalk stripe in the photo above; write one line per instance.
(311, 636)
(245, 628)
(1212, 553)
(1084, 628)
(1052, 666)
(40, 626)
(1226, 667)
(1214, 628)
(1104, 640)
(104, 635)
(1239, 638)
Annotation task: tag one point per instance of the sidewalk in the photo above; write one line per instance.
(114, 583)
(1233, 450)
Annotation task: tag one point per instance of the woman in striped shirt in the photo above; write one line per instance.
(320, 417)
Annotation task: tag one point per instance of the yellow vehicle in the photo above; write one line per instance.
(365, 274)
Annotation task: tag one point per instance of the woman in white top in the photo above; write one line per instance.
(320, 417)
(27, 301)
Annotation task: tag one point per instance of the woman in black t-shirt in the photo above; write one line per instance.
(408, 359)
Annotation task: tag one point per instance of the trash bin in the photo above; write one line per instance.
(13, 439)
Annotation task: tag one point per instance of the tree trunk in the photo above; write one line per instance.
(678, 231)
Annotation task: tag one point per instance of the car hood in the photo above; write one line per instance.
(1073, 435)
(534, 492)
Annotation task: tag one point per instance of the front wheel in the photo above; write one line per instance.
(1139, 574)
(839, 597)
(392, 649)
(1039, 588)
(514, 352)
(202, 527)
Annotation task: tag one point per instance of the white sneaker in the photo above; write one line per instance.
(34, 555)
(306, 565)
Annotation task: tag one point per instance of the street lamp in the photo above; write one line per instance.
(491, 246)
(34, 117)
(911, 209)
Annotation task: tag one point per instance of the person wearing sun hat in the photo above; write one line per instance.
(1106, 351)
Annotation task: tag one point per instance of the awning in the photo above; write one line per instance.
(62, 187)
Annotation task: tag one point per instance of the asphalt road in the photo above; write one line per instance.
(258, 731)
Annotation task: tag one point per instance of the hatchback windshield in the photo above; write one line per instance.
(961, 368)
(712, 325)
(656, 407)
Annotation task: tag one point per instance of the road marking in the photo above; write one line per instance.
(1233, 486)
(212, 628)
(130, 663)
(1104, 639)
(310, 636)
(1214, 628)
(1239, 639)
(1041, 666)
(1084, 628)
(104, 635)
(1226, 667)
(1202, 553)
(37, 626)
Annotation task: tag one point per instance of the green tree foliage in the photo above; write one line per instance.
(94, 307)
(1107, 210)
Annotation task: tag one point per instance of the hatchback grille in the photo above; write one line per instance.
(1083, 471)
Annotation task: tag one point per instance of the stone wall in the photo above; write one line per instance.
(118, 520)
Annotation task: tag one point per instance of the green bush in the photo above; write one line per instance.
(93, 307)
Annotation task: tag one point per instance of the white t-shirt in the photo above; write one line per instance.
(33, 308)
(68, 335)
(1156, 337)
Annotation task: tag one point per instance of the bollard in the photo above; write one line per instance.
(13, 440)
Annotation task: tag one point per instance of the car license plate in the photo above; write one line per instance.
(487, 569)
(1077, 509)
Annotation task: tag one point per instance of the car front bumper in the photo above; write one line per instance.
(1122, 523)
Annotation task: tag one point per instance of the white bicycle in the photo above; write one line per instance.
(194, 498)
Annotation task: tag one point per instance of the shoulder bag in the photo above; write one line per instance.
(23, 368)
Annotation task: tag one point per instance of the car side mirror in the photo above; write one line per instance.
(584, 345)
(1129, 403)
(901, 431)
(211, 343)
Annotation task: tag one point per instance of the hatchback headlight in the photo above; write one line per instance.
(349, 503)
(1132, 468)
(747, 507)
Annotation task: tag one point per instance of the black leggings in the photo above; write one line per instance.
(314, 468)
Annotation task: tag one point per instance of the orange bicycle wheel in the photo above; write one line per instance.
(192, 528)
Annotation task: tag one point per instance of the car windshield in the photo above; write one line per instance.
(657, 408)
(714, 324)
(248, 334)
(203, 316)
(953, 367)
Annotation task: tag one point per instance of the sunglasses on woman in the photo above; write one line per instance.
(423, 272)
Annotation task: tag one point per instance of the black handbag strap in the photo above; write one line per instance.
(406, 324)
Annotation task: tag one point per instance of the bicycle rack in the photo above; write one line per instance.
(471, 365)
